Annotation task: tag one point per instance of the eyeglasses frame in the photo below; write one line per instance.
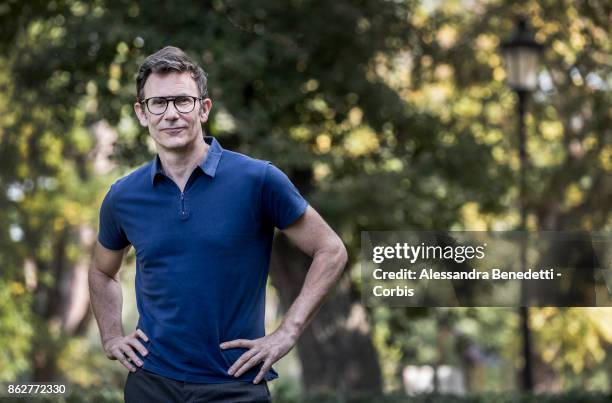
(171, 99)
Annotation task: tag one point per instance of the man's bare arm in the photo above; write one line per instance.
(313, 236)
(107, 301)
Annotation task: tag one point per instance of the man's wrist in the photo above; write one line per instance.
(291, 331)
(106, 339)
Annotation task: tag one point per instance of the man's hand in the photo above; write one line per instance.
(267, 349)
(122, 348)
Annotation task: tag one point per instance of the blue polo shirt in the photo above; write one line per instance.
(202, 257)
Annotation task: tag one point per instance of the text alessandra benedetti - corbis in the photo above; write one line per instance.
(394, 290)
(494, 274)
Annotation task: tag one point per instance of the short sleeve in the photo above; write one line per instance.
(282, 203)
(110, 234)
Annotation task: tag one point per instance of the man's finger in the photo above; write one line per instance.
(127, 364)
(249, 364)
(263, 371)
(241, 360)
(237, 343)
(138, 346)
(142, 335)
(118, 353)
(130, 353)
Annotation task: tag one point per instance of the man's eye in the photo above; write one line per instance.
(183, 101)
(158, 101)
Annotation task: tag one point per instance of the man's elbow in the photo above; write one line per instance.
(340, 257)
(96, 274)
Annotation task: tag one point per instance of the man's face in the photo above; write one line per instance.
(173, 130)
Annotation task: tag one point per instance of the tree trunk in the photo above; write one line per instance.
(335, 350)
(62, 307)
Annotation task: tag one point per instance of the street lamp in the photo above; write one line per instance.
(521, 55)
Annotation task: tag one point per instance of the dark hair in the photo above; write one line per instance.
(167, 60)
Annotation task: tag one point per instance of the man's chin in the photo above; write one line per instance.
(174, 143)
(179, 145)
(171, 142)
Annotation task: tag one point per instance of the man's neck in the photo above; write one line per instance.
(178, 165)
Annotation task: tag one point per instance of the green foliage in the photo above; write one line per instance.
(575, 342)
(386, 114)
(15, 329)
(455, 75)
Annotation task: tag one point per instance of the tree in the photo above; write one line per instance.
(455, 72)
(387, 115)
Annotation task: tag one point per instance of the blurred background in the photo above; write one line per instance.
(386, 114)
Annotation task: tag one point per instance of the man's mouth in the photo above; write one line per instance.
(173, 130)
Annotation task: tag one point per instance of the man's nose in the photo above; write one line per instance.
(171, 112)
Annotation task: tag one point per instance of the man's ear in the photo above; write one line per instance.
(205, 109)
(140, 113)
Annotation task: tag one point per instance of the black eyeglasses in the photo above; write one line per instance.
(182, 103)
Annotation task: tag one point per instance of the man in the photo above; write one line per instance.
(201, 220)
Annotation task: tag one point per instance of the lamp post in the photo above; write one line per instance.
(521, 53)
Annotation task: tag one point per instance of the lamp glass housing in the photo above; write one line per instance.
(522, 67)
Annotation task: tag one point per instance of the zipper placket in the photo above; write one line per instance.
(182, 203)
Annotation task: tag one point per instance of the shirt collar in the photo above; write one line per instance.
(208, 165)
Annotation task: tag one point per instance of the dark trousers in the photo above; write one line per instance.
(145, 386)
